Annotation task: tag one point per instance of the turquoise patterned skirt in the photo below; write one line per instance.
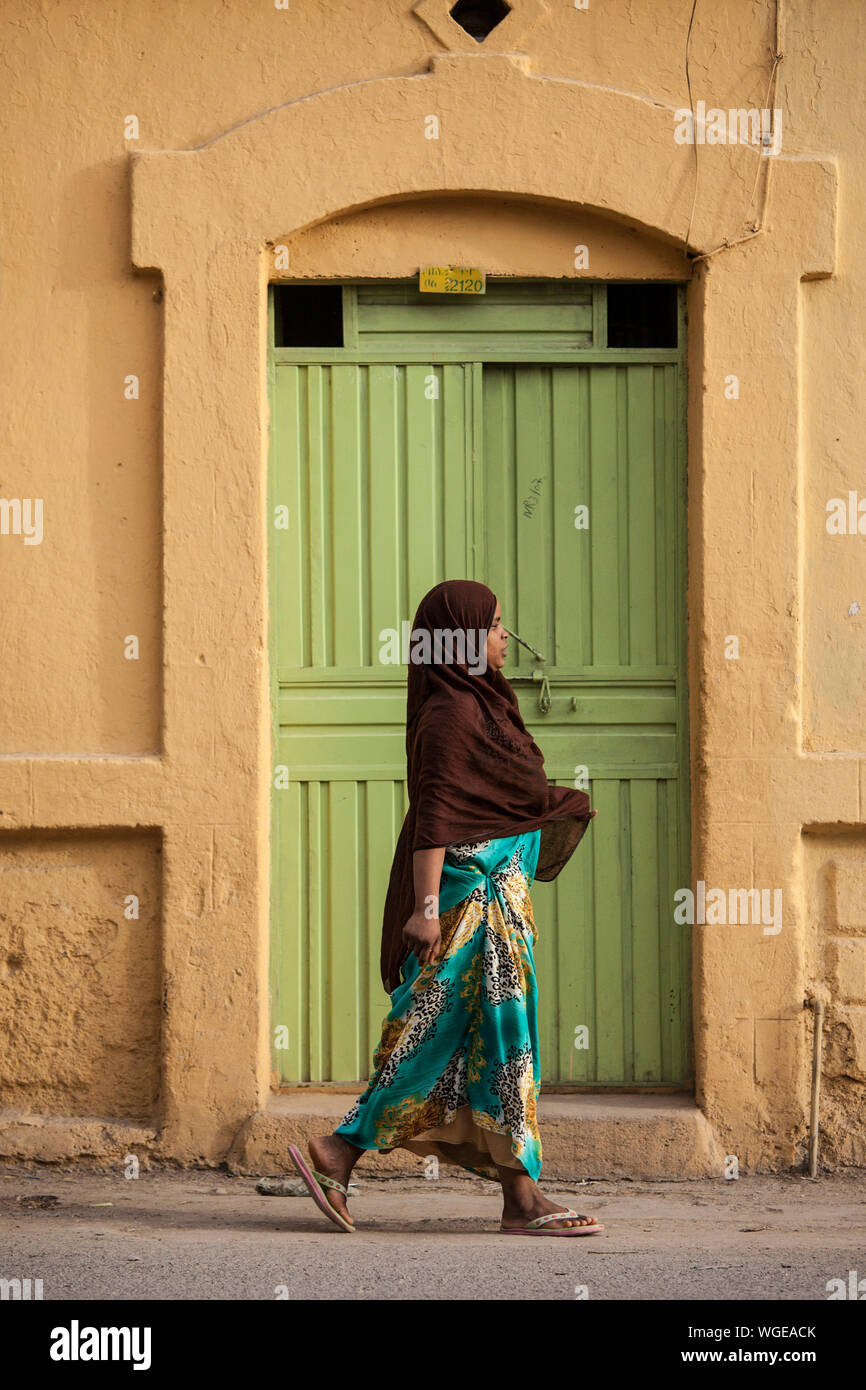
(457, 1072)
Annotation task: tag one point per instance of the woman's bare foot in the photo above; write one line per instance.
(523, 1201)
(335, 1157)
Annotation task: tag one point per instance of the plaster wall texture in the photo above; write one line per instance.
(150, 256)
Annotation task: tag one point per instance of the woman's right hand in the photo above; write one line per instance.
(423, 935)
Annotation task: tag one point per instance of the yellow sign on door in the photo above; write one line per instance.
(451, 279)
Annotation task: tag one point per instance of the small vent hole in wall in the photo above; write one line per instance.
(479, 17)
(308, 316)
(642, 316)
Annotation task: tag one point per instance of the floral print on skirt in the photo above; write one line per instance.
(457, 1071)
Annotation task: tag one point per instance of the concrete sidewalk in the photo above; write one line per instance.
(210, 1235)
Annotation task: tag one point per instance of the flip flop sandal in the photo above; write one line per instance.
(314, 1183)
(534, 1228)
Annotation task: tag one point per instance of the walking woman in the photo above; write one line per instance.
(457, 1071)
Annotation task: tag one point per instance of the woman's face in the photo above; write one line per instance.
(497, 641)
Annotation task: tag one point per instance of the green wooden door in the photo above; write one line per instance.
(411, 455)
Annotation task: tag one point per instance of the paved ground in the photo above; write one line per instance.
(208, 1235)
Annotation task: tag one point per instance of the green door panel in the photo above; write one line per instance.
(395, 475)
(516, 317)
(374, 465)
(602, 605)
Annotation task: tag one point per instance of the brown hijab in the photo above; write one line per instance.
(474, 770)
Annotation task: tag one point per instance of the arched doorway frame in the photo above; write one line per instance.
(208, 219)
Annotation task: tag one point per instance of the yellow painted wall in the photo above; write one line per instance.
(143, 785)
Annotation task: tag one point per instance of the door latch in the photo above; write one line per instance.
(544, 693)
(537, 675)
